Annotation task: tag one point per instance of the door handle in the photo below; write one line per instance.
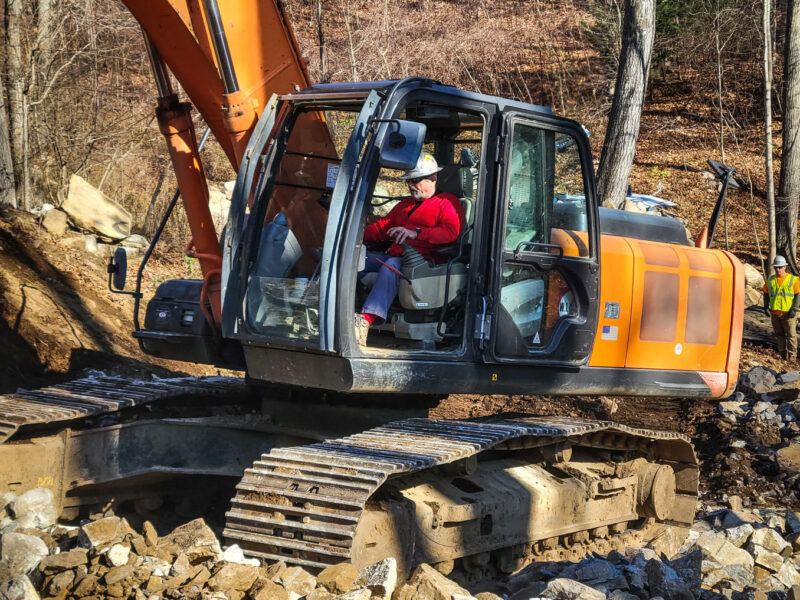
(535, 245)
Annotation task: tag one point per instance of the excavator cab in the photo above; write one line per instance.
(511, 290)
(514, 302)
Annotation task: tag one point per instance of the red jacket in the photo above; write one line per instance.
(440, 219)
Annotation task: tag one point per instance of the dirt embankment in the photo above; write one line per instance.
(57, 316)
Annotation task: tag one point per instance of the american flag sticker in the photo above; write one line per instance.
(609, 332)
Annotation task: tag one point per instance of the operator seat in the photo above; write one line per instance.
(459, 181)
(431, 287)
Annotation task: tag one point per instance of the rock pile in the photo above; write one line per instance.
(107, 558)
(760, 426)
(89, 220)
(730, 553)
(737, 552)
(733, 554)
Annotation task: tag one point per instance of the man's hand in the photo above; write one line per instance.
(401, 234)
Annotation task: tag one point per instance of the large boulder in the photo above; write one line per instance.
(427, 583)
(338, 579)
(91, 210)
(753, 297)
(297, 580)
(789, 459)
(758, 380)
(770, 540)
(380, 578)
(22, 553)
(55, 222)
(104, 532)
(264, 589)
(569, 589)
(233, 576)
(18, 588)
(55, 563)
(753, 277)
(34, 508)
(665, 582)
(195, 539)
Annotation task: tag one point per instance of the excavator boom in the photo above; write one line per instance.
(228, 57)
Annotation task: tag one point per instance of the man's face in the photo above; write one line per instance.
(422, 188)
(780, 271)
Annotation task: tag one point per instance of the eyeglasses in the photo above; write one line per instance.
(416, 180)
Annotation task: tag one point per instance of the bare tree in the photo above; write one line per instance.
(8, 194)
(16, 91)
(789, 186)
(619, 145)
(767, 23)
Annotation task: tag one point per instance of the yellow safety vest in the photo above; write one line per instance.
(781, 297)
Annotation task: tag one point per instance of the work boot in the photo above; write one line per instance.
(362, 329)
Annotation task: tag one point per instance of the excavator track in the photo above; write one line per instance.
(492, 493)
(307, 505)
(97, 396)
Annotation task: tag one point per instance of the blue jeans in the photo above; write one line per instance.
(385, 289)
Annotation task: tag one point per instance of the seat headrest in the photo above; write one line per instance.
(456, 180)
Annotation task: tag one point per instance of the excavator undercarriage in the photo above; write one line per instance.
(478, 497)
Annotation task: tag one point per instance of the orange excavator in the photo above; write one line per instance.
(543, 292)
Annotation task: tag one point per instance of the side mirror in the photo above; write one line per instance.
(118, 268)
(402, 146)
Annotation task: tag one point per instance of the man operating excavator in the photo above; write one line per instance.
(425, 220)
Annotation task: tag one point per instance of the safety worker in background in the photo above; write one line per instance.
(425, 220)
(781, 301)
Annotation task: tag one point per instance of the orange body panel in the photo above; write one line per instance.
(679, 308)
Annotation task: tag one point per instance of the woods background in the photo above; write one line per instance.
(79, 98)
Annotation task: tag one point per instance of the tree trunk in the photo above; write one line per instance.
(789, 187)
(16, 90)
(8, 194)
(44, 21)
(619, 145)
(767, 25)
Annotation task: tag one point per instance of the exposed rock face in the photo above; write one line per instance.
(91, 210)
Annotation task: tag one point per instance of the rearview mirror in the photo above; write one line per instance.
(118, 268)
(402, 145)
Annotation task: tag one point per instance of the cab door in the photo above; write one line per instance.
(545, 283)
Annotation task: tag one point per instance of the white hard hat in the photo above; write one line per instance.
(426, 165)
(779, 261)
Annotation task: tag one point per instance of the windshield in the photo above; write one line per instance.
(292, 212)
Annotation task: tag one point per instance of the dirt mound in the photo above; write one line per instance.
(57, 316)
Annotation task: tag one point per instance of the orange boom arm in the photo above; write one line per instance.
(229, 58)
